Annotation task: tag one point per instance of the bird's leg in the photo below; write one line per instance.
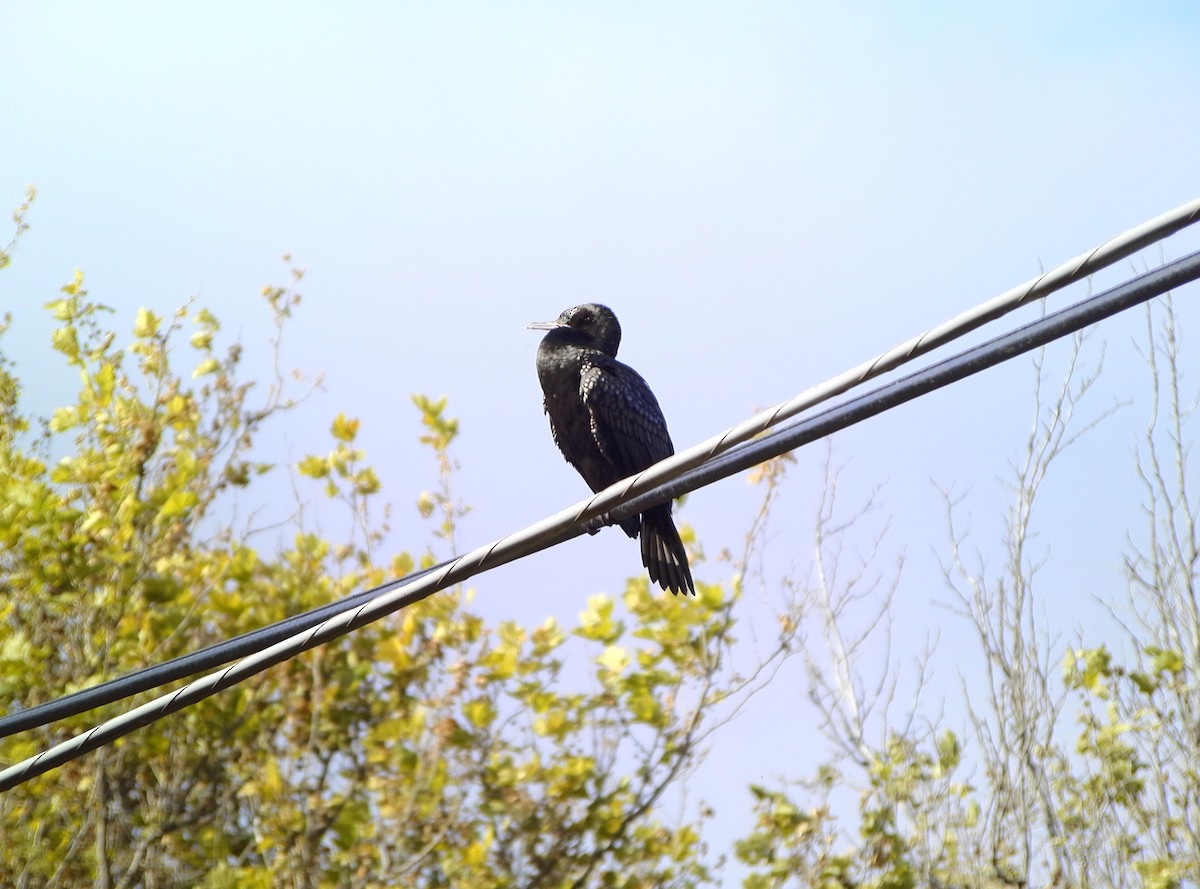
(593, 525)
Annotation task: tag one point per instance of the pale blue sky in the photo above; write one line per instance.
(765, 193)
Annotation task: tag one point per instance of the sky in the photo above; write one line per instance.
(766, 194)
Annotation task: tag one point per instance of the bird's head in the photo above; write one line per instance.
(591, 322)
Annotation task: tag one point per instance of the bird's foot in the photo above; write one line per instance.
(593, 525)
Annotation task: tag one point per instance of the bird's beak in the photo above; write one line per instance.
(545, 325)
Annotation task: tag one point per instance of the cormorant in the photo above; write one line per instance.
(608, 425)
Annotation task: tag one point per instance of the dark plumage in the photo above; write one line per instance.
(608, 425)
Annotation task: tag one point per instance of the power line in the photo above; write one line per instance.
(190, 664)
(996, 351)
(612, 504)
(224, 652)
(1069, 272)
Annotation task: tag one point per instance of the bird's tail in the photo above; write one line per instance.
(663, 553)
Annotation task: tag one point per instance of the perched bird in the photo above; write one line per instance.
(608, 425)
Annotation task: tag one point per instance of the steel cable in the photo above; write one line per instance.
(611, 505)
(220, 653)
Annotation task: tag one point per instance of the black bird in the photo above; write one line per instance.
(608, 425)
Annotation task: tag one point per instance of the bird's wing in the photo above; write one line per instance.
(626, 420)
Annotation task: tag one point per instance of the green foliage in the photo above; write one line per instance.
(426, 750)
(1110, 802)
(911, 819)
(434, 750)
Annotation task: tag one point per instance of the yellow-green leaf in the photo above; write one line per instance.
(614, 658)
(1166, 660)
(146, 325)
(106, 380)
(65, 340)
(344, 429)
(596, 623)
(313, 467)
(480, 712)
(207, 366)
(177, 504)
(64, 418)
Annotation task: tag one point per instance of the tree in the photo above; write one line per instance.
(426, 750)
(434, 750)
(1110, 803)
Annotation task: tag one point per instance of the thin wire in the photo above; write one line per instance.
(565, 524)
(816, 426)
(186, 665)
(1067, 273)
